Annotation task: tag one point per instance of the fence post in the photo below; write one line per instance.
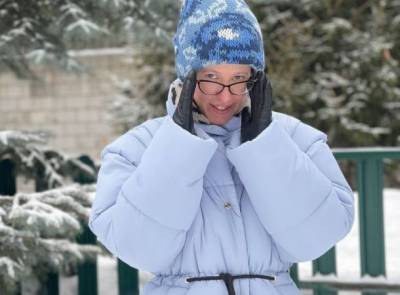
(8, 183)
(87, 271)
(52, 281)
(372, 238)
(372, 243)
(326, 264)
(8, 187)
(128, 279)
(294, 274)
(52, 285)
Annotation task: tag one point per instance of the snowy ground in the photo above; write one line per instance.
(347, 255)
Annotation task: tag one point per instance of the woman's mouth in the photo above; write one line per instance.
(221, 109)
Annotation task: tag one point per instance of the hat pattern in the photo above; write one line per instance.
(217, 32)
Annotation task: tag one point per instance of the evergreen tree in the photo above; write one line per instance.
(34, 160)
(38, 234)
(38, 231)
(151, 26)
(335, 64)
(42, 31)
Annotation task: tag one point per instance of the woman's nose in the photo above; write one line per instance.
(225, 96)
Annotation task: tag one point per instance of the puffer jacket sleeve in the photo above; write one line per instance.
(148, 192)
(297, 189)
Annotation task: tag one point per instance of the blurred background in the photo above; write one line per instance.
(75, 75)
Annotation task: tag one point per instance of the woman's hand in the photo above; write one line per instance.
(261, 108)
(183, 115)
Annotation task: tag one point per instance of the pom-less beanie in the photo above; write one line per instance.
(217, 32)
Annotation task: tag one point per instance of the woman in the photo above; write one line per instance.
(222, 195)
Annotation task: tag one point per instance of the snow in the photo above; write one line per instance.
(86, 26)
(43, 218)
(101, 52)
(4, 135)
(352, 125)
(10, 137)
(396, 20)
(37, 55)
(40, 229)
(337, 23)
(73, 10)
(331, 80)
(347, 255)
(119, 3)
(9, 264)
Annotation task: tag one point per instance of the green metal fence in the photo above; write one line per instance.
(369, 163)
(128, 277)
(372, 248)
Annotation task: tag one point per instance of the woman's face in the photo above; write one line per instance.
(220, 108)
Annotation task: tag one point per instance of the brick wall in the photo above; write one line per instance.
(72, 107)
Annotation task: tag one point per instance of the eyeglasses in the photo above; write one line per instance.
(214, 88)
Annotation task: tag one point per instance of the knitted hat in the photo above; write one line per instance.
(217, 32)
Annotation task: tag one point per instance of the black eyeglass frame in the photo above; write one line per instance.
(229, 86)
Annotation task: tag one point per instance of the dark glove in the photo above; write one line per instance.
(261, 108)
(183, 115)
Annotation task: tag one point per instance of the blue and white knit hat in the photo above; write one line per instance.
(217, 32)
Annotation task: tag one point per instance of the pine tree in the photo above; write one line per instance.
(151, 26)
(335, 64)
(38, 234)
(38, 231)
(37, 32)
(34, 160)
